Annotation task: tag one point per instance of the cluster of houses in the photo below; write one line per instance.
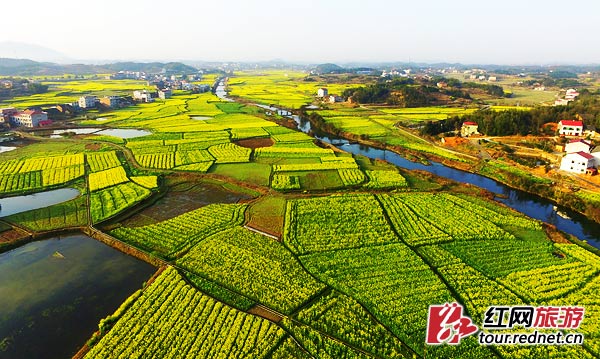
(173, 82)
(26, 118)
(323, 93)
(581, 157)
(570, 95)
(35, 117)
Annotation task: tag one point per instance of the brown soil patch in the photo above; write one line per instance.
(454, 141)
(182, 198)
(265, 313)
(93, 146)
(554, 235)
(11, 235)
(255, 142)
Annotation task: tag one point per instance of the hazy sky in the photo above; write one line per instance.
(467, 31)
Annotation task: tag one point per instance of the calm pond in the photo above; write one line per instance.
(54, 293)
(124, 132)
(6, 148)
(116, 132)
(18, 204)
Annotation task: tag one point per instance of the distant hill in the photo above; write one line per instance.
(152, 67)
(25, 67)
(336, 69)
(329, 69)
(20, 50)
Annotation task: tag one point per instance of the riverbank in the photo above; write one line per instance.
(557, 194)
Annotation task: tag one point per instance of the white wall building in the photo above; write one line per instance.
(578, 146)
(322, 92)
(469, 128)
(570, 128)
(28, 118)
(577, 162)
(165, 94)
(110, 101)
(87, 101)
(142, 96)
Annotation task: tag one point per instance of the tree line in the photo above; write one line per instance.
(400, 92)
(521, 122)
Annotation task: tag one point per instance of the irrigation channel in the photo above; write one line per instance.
(531, 205)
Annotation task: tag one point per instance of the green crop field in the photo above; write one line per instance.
(254, 265)
(278, 245)
(167, 314)
(178, 234)
(109, 201)
(284, 88)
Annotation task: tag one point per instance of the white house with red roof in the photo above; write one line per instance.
(578, 162)
(571, 95)
(578, 146)
(570, 128)
(469, 128)
(28, 118)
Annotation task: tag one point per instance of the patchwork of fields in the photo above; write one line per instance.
(352, 267)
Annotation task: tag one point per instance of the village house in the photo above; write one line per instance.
(469, 128)
(578, 162)
(335, 98)
(7, 84)
(322, 92)
(571, 94)
(570, 128)
(492, 79)
(29, 118)
(596, 154)
(142, 96)
(578, 146)
(165, 94)
(110, 101)
(6, 113)
(87, 101)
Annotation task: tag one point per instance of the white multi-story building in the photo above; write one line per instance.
(165, 94)
(578, 162)
(28, 118)
(322, 92)
(578, 146)
(142, 96)
(87, 101)
(110, 101)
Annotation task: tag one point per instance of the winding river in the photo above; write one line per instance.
(531, 205)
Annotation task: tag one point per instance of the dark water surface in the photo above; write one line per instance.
(54, 292)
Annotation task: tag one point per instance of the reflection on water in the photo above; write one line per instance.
(123, 133)
(54, 292)
(18, 204)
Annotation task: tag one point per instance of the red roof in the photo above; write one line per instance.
(571, 123)
(469, 123)
(580, 140)
(45, 122)
(585, 155)
(31, 112)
